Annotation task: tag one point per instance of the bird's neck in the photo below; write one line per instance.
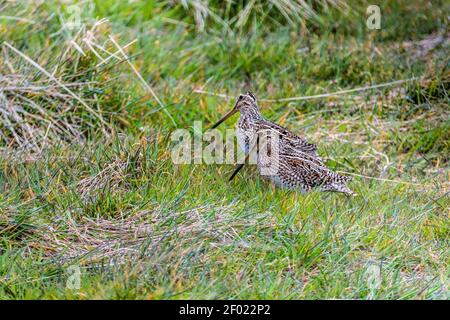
(250, 114)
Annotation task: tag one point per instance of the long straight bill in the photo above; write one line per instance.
(225, 117)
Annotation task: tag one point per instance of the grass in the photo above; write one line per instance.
(87, 179)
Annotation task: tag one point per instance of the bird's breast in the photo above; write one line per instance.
(244, 138)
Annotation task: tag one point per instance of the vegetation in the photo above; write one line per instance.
(90, 92)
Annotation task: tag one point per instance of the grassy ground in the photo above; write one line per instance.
(87, 180)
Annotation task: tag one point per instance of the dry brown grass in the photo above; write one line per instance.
(113, 178)
(51, 99)
(148, 234)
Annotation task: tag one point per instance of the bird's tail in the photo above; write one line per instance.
(338, 184)
(339, 187)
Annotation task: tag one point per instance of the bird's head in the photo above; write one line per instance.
(245, 103)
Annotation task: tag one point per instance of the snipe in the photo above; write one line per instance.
(298, 165)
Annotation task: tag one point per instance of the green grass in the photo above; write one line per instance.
(108, 198)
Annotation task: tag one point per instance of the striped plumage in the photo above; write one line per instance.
(298, 165)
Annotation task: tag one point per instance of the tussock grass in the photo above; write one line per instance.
(111, 177)
(156, 236)
(43, 102)
(238, 15)
(98, 190)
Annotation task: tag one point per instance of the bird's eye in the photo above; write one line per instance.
(241, 97)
